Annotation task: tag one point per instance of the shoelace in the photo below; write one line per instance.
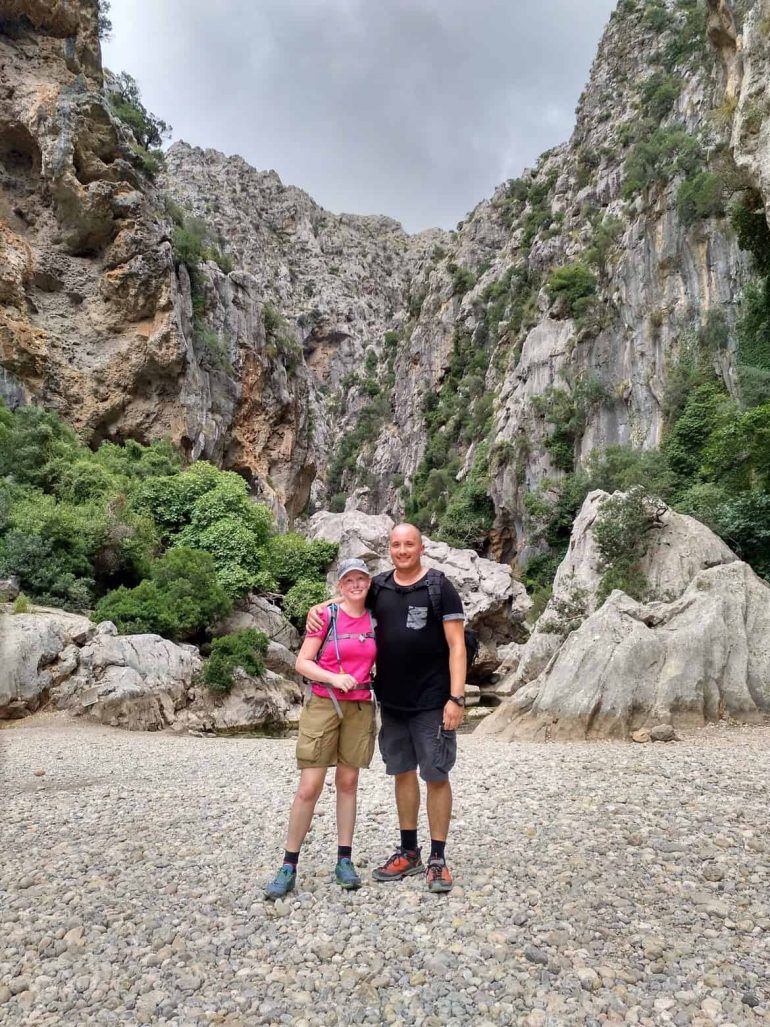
(435, 870)
(397, 855)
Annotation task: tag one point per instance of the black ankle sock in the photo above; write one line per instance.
(436, 849)
(344, 852)
(409, 840)
(291, 857)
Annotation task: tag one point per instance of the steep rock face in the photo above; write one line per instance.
(97, 319)
(654, 279)
(341, 281)
(96, 316)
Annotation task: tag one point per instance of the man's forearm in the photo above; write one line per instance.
(457, 670)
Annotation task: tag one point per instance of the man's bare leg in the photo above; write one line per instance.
(439, 809)
(407, 800)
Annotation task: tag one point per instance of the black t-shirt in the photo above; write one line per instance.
(412, 651)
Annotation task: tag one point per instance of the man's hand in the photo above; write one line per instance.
(345, 682)
(314, 621)
(453, 716)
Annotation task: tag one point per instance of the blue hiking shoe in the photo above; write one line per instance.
(346, 876)
(282, 883)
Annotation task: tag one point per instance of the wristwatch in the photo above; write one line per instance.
(458, 699)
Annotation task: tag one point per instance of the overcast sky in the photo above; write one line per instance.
(412, 108)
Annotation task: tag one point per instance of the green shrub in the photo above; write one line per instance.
(212, 351)
(179, 601)
(169, 499)
(604, 238)
(301, 596)
(575, 282)
(291, 557)
(21, 604)
(126, 103)
(568, 413)
(705, 409)
(469, 513)
(659, 93)
(463, 279)
(245, 649)
(700, 197)
(749, 221)
(656, 158)
(620, 532)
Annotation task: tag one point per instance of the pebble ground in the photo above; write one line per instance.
(598, 883)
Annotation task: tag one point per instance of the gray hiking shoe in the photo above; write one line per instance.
(282, 883)
(346, 876)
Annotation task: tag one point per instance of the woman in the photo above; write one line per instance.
(337, 725)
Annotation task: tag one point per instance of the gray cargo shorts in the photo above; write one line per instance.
(412, 740)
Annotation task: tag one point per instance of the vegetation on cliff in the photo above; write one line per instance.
(156, 546)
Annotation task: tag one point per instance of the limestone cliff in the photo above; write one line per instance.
(97, 318)
(343, 360)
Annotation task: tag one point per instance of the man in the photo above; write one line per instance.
(420, 684)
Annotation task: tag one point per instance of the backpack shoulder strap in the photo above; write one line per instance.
(331, 628)
(433, 582)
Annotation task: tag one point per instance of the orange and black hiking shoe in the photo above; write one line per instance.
(438, 877)
(403, 863)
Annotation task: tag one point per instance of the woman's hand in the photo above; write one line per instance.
(345, 682)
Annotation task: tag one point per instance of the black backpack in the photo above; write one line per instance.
(433, 580)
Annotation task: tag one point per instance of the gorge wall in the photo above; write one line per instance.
(335, 359)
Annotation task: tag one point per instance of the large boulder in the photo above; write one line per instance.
(679, 547)
(139, 682)
(269, 703)
(496, 605)
(698, 653)
(31, 645)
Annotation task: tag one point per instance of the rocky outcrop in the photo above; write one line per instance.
(270, 703)
(36, 652)
(695, 653)
(137, 682)
(496, 605)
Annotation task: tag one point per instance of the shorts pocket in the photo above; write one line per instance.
(310, 747)
(445, 750)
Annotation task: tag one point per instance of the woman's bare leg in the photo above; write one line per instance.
(346, 783)
(311, 781)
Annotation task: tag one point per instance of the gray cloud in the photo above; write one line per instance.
(413, 108)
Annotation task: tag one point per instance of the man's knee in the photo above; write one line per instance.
(408, 777)
(438, 787)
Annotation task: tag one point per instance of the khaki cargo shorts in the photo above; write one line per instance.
(325, 740)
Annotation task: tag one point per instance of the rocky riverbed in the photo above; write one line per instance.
(596, 883)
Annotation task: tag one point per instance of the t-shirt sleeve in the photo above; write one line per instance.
(451, 603)
(322, 630)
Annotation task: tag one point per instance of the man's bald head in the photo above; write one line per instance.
(405, 529)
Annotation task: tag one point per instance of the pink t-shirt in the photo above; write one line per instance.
(357, 654)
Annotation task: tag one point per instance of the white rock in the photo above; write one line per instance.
(30, 644)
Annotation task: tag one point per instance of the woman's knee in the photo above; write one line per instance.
(346, 780)
(310, 787)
